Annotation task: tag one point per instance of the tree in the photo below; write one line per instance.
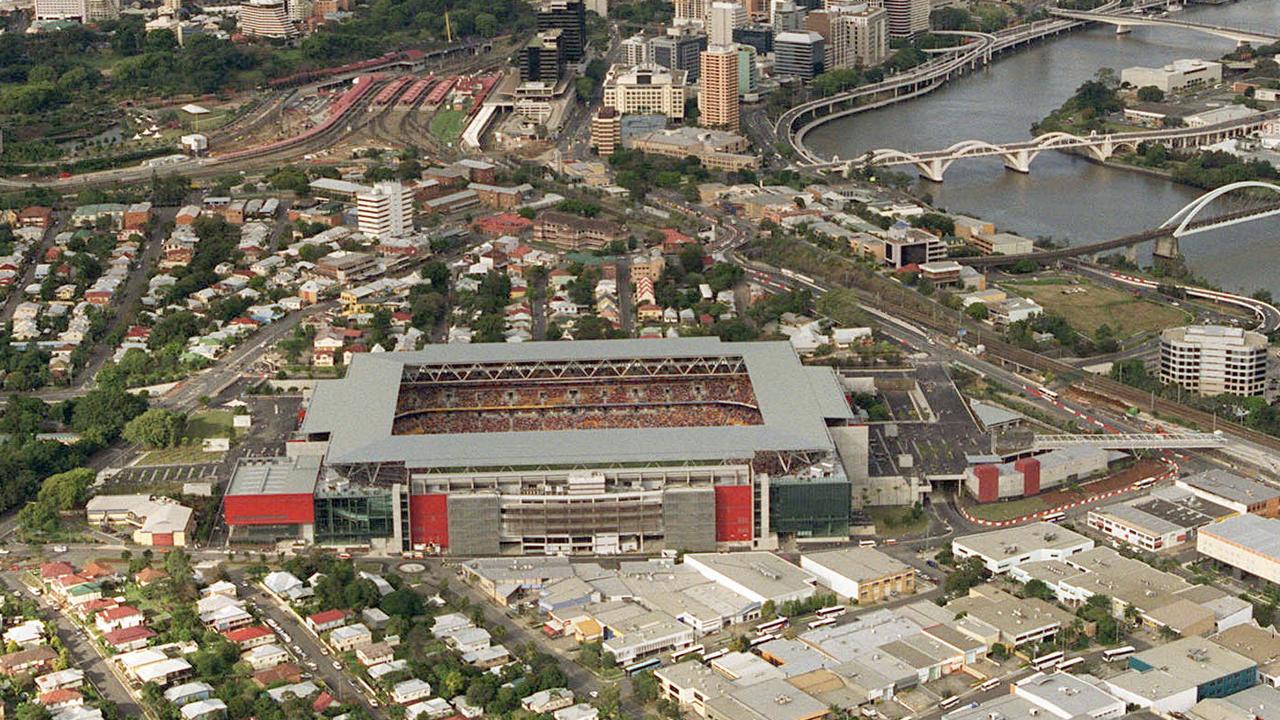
(645, 687)
(978, 311)
(1036, 588)
(156, 428)
(1150, 93)
(64, 491)
(102, 413)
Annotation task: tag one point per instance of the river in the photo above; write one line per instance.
(1065, 197)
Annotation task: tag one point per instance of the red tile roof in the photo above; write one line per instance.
(246, 634)
(326, 616)
(129, 635)
(61, 695)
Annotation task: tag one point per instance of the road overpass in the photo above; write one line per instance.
(1126, 22)
(1132, 441)
(1018, 156)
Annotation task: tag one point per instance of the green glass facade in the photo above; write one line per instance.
(354, 516)
(810, 507)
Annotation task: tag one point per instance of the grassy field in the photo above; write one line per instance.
(182, 455)
(1007, 510)
(1097, 305)
(897, 521)
(447, 125)
(210, 424)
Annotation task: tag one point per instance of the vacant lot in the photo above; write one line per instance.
(1087, 307)
(447, 125)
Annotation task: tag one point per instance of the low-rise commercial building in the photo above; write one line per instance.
(1167, 518)
(1172, 678)
(1176, 76)
(1032, 475)
(758, 576)
(1016, 621)
(1233, 491)
(1069, 697)
(1247, 543)
(715, 149)
(1001, 550)
(865, 575)
(1214, 359)
(1261, 645)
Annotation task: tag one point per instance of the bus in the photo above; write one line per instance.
(691, 650)
(771, 626)
(1054, 517)
(1144, 483)
(1049, 660)
(714, 655)
(945, 703)
(990, 684)
(867, 543)
(832, 612)
(763, 639)
(822, 622)
(1119, 653)
(637, 668)
(1068, 664)
(1047, 392)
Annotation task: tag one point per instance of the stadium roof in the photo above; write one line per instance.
(275, 476)
(357, 411)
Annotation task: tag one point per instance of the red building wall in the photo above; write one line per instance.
(429, 520)
(1030, 469)
(733, 513)
(988, 483)
(293, 509)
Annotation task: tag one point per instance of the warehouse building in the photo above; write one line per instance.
(1167, 518)
(758, 576)
(1248, 543)
(1228, 489)
(864, 575)
(1032, 475)
(1172, 678)
(543, 448)
(1001, 550)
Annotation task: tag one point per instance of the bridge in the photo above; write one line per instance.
(1132, 441)
(979, 51)
(1018, 156)
(1183, 223)
(1125, 23)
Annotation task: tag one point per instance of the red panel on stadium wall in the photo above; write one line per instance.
(293, 509)
(429, 520)
(988, 483)
(162, 539)
(1030, 469)
(733, 513)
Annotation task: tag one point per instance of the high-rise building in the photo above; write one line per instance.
(385, 211)
(300, 10)
(1214, 360)
(854, 35)
(103, 10)
(722, 19)
(718, 98)
(679, 49)
(606, 131)
(688, 12)
(907, 18)
(757, 36)
(266, 18)
(748, 72)
(646, 90)
(571, 17)
(61, 10)
(786, 17)
(798, 54)
(541, 58)
(635, 50)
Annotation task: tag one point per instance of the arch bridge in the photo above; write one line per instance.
(1018, 156)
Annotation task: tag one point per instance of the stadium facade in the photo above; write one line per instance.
(576, 447)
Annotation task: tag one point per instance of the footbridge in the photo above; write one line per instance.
(1185, 222)
(1132, 441)
(1018, 156)
(1126, 22)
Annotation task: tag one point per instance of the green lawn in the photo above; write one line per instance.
(184, 455)
(210, 424)
(1007, 510)
(897, 521)
(1087, 307)
(447, 125)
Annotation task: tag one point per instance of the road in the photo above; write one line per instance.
(338, 681)
(85, 655)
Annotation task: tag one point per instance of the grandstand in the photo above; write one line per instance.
(590, 446)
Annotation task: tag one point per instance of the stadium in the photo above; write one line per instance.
(577, 447)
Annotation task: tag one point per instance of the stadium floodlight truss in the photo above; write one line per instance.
(713, 365)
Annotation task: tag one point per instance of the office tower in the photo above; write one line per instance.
(541, 58)
(907, 17)
(748, 72)
(266, 18)
(786, 17)
(723, 19)
(635, 50)
(570, 16)
(798, 54)
(718, 98)
(854, 35)
(385, 211)
(606, 131)
(61, 10)
(757, 36)
(689, 12)
(646, 90)
(679, 49)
